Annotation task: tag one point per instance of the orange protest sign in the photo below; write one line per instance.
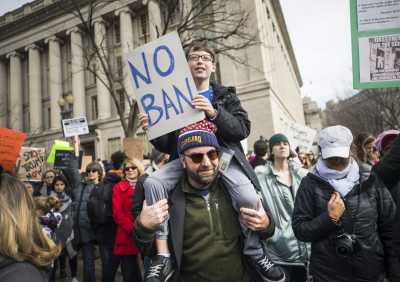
(10, 145)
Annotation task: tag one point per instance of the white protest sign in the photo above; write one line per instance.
(163, 85)
(75, 126)
(31, 161)
(298, 134)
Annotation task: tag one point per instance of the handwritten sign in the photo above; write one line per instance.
(163, 85)
(63, 158)
(298, 134)
(134, 147)
(31, 161)
(58, 145)
(75, 127)
(10, 145)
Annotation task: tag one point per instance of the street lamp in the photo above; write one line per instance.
(66, 106)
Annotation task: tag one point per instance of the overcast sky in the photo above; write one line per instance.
(320, 35)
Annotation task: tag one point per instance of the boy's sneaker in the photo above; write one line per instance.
(74, 279)
(160, 269)
(268, 271)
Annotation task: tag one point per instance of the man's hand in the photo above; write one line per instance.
(152, 216)
(255, 220)
(336, 206)
(143, 121)
(201, 103)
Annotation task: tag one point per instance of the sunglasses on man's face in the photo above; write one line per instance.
(198, 157)
(91, 171)
(132, 168)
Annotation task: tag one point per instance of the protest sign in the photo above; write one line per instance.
(163, 85)
(134, 147)
(10, 145)
(75, 127)
(299, 135)
(31, 161)
(58, 145)
(63, 158)
(375, 30)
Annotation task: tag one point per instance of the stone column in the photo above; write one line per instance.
(103, 95)
(55, 81)
(126, 31)
(78, 72)
(3, 94)
(15, 97)
(35, 88)
(154, 12)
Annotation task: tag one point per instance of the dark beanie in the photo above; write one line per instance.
(198, 134)
(275, 139)
(117, 158)
(260, 147)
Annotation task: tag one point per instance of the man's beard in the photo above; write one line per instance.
(201, 179)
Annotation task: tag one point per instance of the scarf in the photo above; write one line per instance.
(342, 181)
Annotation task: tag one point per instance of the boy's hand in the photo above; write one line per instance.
(143, 121)
(201, 103)
(152, 216)
(255, 220)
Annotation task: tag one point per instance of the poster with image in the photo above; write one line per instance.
(380, 58)
(375, 32)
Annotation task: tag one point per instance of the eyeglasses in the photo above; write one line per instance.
(91, 171)
(204, 58)
(132, 168)
(198, 157)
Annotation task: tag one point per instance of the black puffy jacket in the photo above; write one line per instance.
(13, 271)
(369, 215)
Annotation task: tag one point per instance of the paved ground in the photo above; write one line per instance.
(80, 272)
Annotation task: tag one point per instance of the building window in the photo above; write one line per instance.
(95, 109)
(117, 32)
(268, 13)
(114, 144)
(143, 25)
(90, 76)
(48, 118)
(273, 27)
(121, 99)
(119, 66)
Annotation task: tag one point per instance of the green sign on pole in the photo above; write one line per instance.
(375, 37)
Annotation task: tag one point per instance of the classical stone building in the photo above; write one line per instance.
(312, 114)
(42, 74)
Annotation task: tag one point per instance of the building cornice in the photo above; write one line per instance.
(282, 24)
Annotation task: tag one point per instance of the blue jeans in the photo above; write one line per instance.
(88, 262)
(109, 262)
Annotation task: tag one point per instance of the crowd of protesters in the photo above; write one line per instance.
(202, 211)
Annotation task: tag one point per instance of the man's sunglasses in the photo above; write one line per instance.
(198, 157)
(91, 171)
(128, 168)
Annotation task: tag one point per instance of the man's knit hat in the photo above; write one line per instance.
(198, 134)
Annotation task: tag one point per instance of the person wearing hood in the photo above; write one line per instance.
(348, 223)
(280, 178)
(64, 233)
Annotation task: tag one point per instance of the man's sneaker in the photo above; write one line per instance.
(268, 271)
(160, 269)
